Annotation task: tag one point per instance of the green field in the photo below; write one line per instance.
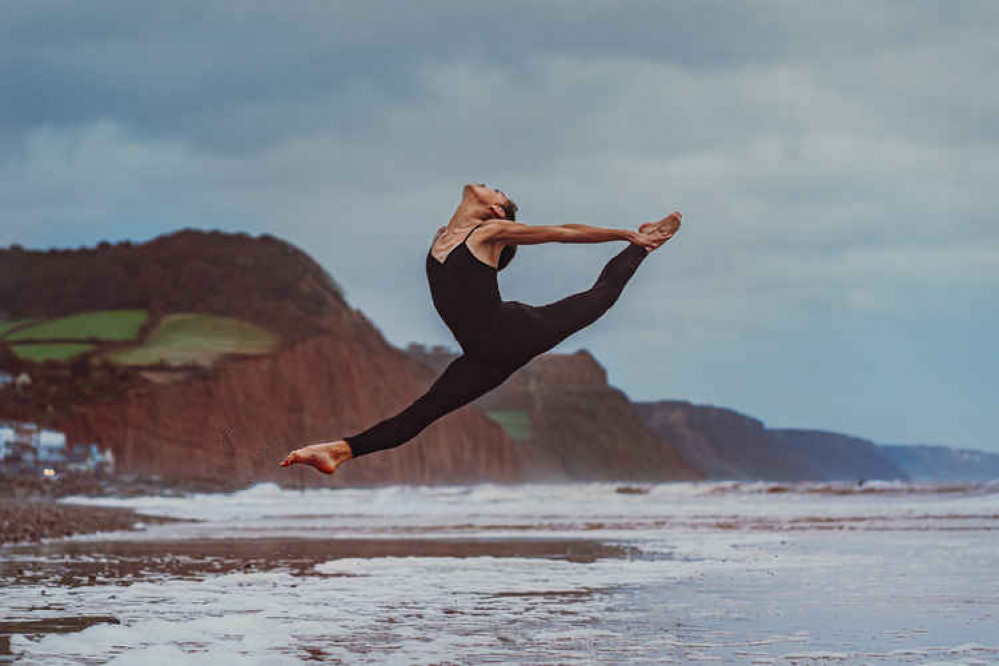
(516, 422)
(197, 338)
(7, 325)
(53, 352)
(97, 325)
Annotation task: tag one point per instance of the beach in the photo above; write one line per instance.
(36, 519)
(562, 573)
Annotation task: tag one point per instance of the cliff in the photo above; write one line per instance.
(286, 361)
(831, 456)
(722, 443)
(728, 445)
(263, 280)
(236, 417)
(240, 421)
(942, 463)
(572, 425)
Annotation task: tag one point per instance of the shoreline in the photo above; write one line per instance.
(34, 486)
(31, 520)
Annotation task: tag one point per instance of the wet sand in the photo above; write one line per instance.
(729, 573)
(35, 519)
(62, 565)
(81, 563)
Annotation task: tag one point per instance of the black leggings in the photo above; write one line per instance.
(520, 333)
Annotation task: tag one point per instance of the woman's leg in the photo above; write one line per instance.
(522, 333)
(464, 380)
(557, 321)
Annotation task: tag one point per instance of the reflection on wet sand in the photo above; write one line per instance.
(80, 563)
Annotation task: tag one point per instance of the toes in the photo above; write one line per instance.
(291, 459)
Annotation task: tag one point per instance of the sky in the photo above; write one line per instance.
(839, 258)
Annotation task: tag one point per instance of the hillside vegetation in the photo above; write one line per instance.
(59, 351)
(100, 325)
(6, 326)
(198, 339)
(97, 323)
(516, 422)
(261, 280)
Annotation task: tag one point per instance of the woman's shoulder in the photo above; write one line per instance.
(493, 227)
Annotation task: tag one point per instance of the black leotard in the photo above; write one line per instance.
(465, 292)
(496, 336)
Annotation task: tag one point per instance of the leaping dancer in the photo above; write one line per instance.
(497, 337)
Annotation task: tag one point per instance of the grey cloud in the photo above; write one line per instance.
(184, 68)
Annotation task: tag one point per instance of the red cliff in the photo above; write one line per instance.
(575, 426)
(240, 421)
(330, 375)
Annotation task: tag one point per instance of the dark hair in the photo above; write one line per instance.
(506, 256)
(510, 209)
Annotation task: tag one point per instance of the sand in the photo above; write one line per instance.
(35, 519)
(560, 573)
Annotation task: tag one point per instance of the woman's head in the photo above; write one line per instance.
(498, 203)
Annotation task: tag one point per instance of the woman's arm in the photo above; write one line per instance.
(514, 233)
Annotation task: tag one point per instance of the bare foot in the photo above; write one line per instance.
(325, 457)
(661, 231)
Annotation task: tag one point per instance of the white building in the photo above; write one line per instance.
(107, 461)
(6, 441)
(90, 458)
(25, 445)
(51, 446)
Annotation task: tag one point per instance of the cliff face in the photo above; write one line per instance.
(942, 463)
(578, 427)
(722, 443)
(240, 421)
(332, 374)
(728, 445)
(830, 456)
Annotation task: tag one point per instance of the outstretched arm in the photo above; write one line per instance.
(514, 233)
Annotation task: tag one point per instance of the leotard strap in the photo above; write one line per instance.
(470, 233)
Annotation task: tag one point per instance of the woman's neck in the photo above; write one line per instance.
(468, 214)
(460, 221)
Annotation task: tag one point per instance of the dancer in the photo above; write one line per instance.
(497, 337)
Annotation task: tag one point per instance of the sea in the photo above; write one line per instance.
(575, 573)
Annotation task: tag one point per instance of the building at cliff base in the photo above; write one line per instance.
(28, 448)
